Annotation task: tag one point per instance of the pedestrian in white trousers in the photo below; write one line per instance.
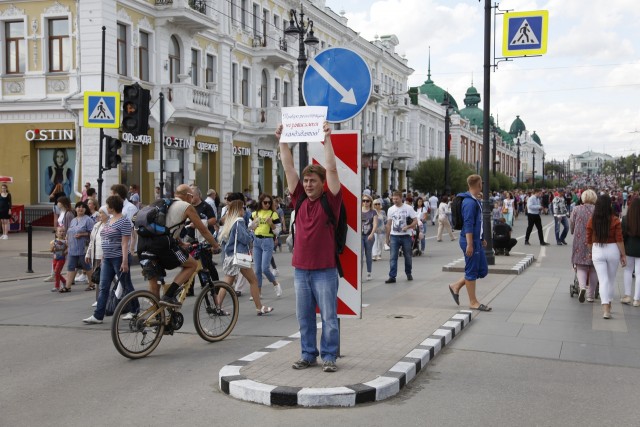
(631, 235)
(604, 238)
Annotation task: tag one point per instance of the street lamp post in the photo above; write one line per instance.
(373, 150)
(298, 28)
(518, 163)
(543, 170)
(494, 153)
(447, 144)
(533, 172)
(486, 189)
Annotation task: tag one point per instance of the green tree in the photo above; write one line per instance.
(428, 176)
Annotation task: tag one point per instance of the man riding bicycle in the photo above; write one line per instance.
(173, 253)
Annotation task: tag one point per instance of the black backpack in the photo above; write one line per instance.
(456, 212)
(341, 226)
(151, 221)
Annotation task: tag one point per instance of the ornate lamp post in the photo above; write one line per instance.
(533, 172)
(518, 163)
(447, 143)
(299, 28)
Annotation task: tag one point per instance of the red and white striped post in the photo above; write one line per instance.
(346, 145)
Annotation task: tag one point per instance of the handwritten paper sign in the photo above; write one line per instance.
(303, 124)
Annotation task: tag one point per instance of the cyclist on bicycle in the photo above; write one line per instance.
(170, 251)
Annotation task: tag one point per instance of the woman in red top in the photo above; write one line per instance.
(604, 238)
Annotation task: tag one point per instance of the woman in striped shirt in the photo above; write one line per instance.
(116, 258)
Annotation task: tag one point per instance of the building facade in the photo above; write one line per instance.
(588, 162)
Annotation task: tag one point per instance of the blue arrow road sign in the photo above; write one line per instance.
(339, 79)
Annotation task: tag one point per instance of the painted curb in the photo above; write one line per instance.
(233, 383)
(518, 268)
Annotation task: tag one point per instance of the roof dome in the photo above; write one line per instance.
(506, 136)
(471, 111)
(434, 92)
(517, 127)
(536, 138)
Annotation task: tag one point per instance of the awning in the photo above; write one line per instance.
(7, 179)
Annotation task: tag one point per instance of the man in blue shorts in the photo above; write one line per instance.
(472, 244)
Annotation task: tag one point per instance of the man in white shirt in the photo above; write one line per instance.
(401, 220)
(128, 210)
(211, 200)
(433, 205)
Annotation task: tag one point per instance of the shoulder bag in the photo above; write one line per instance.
(240, 260)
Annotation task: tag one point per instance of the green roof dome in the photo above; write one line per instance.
(506, 136)
(435, 92)
(536, 138)
(517, 127)
(471, 111)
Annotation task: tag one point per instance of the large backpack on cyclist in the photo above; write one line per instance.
(151, 221)
(341, 226)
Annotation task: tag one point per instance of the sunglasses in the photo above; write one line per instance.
(266, 202)
(366, 201)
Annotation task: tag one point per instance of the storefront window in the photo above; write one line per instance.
(131, 166)
(202, 170)
(56, 166)
(173, 179)
(261, 173)
(237, 174)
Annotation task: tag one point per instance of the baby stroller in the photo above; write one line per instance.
(416, 238)
(574, 287)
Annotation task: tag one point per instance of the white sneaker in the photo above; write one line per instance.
(127, 316)
(92, 321)
(278, 290)
(5, 237)
(368, 276)
(49, 279)
(95, 304)
(626, 299)
(81, 277)
(636, 303)
(274, 271)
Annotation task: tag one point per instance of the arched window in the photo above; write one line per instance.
(264, 90)
(174, 60)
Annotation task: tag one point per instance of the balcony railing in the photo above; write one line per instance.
(197, 5)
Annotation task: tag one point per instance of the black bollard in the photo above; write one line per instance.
(29, 248)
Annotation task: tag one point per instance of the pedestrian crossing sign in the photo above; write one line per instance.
(102, 110)
(525, 33)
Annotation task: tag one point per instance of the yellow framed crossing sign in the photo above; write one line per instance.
(525, 33)
(102, 110)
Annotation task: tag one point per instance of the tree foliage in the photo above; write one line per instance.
(428, 176)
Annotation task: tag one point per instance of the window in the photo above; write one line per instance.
(285, 94)
(143, 56)
(59, 45)
(212, 68)
(245, 86)
(256, 19)
(195, 67)
(174, 60)
(232, 5)
(122, 49)
(234, 83)
(276, 91)
(243, 14)
(14, 47)
(264, 90)
(276, 21)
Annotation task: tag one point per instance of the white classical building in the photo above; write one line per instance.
(225, 67)
(588, 162)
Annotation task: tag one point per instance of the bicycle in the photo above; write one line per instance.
(215, 312)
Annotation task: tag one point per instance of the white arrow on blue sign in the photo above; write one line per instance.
(339, 79)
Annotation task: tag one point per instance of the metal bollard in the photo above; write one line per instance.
(29, 248)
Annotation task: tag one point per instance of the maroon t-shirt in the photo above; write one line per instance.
(315, 245)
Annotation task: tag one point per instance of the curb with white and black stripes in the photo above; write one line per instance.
(518, 268)
(383, 387)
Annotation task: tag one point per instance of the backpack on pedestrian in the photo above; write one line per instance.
(151, 221)
(456, 212)
(341, 227)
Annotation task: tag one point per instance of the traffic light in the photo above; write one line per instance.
(112, 159)
(135, 110)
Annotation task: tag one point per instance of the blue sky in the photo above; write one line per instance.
(583, 94)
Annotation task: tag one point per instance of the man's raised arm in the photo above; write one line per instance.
(287, 163)
(333, 181)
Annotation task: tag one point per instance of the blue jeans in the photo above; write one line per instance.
(317, 288)
(109, 268)
(423, 241)
(367, 248)
(565, 228)
(395, 243)
(262, 253)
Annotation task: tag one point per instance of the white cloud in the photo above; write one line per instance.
(578, 96)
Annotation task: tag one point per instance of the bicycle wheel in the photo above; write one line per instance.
(137, 337)
(215, 322)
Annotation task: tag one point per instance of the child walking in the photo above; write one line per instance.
(58, 247)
